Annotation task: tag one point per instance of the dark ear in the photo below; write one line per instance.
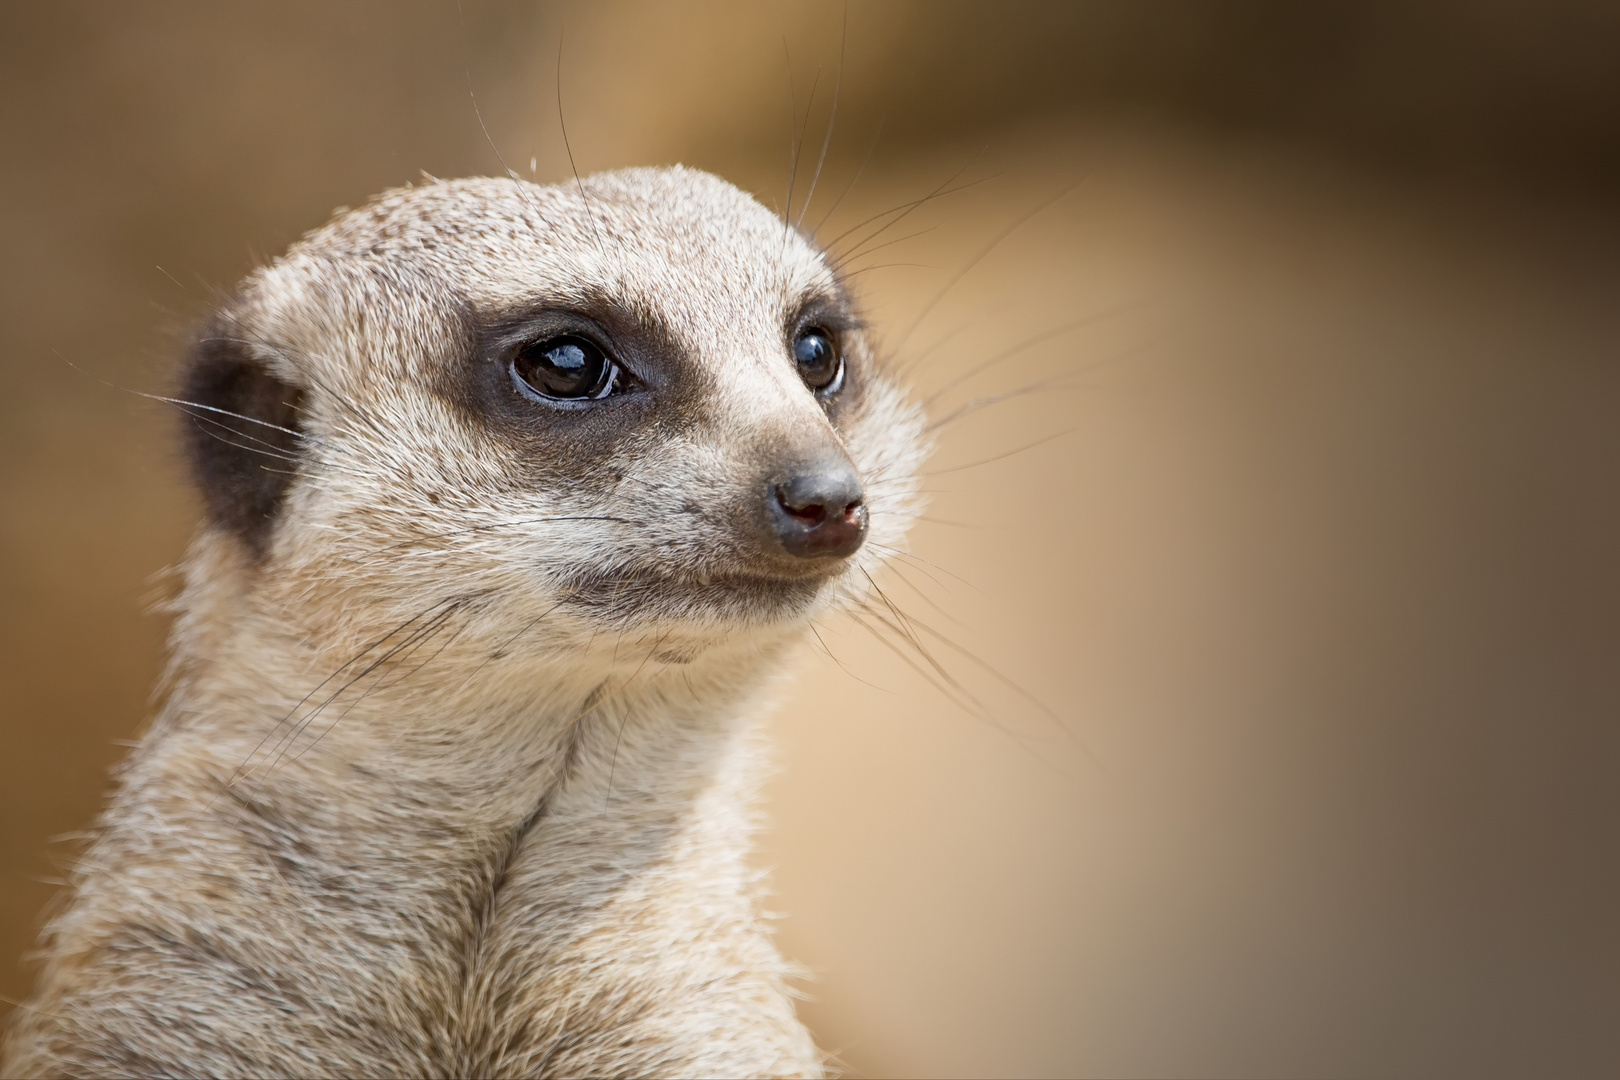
(243, 435)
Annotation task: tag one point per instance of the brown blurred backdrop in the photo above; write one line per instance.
(1315, 568)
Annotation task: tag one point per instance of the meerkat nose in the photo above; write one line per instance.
(818, 513)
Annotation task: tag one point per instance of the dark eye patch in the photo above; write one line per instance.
(570, 386)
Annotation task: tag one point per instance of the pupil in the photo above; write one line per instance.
(817, 359)
(565, 368)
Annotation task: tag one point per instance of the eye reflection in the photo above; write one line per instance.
(820, 365)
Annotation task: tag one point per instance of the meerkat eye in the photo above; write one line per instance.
(820, 365)
(564, 369)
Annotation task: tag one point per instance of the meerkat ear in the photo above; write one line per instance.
(243, 435)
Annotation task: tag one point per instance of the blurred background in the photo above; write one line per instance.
(1275, 356)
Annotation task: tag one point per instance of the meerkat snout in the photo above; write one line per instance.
(818, 512)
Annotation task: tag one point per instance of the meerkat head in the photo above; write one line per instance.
(642, 402)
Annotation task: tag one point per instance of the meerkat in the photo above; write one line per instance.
(517, 497)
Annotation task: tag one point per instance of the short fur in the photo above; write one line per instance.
(454, 773)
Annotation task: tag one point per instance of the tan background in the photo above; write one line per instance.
(1316, 569)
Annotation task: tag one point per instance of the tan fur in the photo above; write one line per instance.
(449, 781)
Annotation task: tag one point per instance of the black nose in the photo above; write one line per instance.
(818, 514)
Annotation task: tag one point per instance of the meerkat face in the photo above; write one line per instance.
(640, 401)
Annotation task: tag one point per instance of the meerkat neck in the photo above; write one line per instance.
(488, 850)
(440, 698)
(526, 736)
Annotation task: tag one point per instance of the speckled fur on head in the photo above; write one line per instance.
(454, 775)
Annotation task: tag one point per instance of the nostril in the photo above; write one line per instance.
(811, 511)
(819, 514)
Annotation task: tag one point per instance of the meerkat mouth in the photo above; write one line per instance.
(730, 595)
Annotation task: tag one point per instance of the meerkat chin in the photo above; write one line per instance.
(515, 497)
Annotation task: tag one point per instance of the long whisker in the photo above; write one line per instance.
(857, 251)
(1060, 379)
(980, 257)
(793, 130)
(972, 707)
(407, 650)
(988, 719)
(904, 625)
(1025, 345)
(271, 453)
(901, 554)
(981, 403)
(884, 266)
(511, 174)
(897, 553)
(405, 675)
(832, 120)
(264, 449)
(906, 209)
(500, 650)
(851, 185)
(999, 457)
(428, 629)
(1012, 685)
(423, 638)
(184, 406)
(562, 123)
(613, 765)
(814, 630)
(898, 572)
(288, 740)
(307, 372)
(241, 769)
(803, 129)
(504, 525)
(905, 363)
